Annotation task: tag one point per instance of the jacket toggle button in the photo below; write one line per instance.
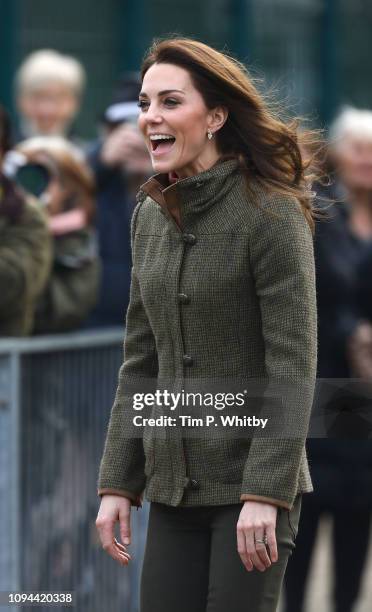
(193, 484)
(183, 298)
(188, 360)
(189, 238)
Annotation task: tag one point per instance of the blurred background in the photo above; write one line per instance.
(316, 49)
(71, 162)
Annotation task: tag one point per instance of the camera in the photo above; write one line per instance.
(31, 177)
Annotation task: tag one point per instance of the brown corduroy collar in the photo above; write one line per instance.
(192, 194)
(158, 188)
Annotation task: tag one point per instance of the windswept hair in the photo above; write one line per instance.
(269, 148)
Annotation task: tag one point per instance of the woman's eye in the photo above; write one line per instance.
(142, 104)
(170, 102)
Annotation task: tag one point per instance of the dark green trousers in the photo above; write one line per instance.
(192, 564)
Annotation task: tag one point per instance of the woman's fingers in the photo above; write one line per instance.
(251, 549)
(252, 553)
(260, 549)
(256, 535)
(108, 543)
(119, 545)
(122, 549)
(117, 553)
(242, 549)
(124, 519)
(105, 528)
(113, 508)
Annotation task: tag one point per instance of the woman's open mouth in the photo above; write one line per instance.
(161, 143)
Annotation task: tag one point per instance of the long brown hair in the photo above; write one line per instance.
(267, 147)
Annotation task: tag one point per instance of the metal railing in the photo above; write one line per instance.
(56, 394)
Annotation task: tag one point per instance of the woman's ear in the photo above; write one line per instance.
(217, 118)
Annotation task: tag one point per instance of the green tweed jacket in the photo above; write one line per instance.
(25, 266)
(223, 287)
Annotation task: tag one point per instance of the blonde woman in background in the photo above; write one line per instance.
(68, 199)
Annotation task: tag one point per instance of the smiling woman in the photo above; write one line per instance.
(161, 142)
(174, 121)
(223, 288)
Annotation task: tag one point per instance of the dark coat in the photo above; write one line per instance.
(246, 265)
(338, 256)
(72, 287)
(114, 209)
(341, 463)
(364, 290)
(25, 263)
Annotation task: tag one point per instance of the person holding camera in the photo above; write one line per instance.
(56, 170)
(120, 163)
(25, 250)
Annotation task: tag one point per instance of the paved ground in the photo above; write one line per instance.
(320, 581)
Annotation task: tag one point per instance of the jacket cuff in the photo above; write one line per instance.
(266, 500)
(135, 499)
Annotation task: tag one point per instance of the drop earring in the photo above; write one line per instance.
(210, 135)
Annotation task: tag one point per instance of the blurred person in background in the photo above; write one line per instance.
(25, 250)
(68, 197)
(49, 88)
(341, 464)
(120, 162)
(55, 170)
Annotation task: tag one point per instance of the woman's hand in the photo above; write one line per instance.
(114, 508)
(257, 520)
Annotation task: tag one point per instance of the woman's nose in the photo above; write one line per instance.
(153, 114)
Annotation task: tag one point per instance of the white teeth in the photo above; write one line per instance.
(161, 137)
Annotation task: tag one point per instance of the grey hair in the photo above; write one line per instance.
(45, 65)
(351, 121)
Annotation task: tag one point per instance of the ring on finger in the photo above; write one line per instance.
(261, 541)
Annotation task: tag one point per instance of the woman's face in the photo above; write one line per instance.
(353, 157)
(173, 108)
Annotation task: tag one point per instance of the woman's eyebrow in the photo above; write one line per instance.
(161, 93)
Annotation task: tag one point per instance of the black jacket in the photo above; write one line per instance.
(338, 257)
(341, 463)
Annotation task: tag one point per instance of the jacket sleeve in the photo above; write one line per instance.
(72, 288)
(329, 262)
(25, 260)
(123, 462)
(282, 262)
